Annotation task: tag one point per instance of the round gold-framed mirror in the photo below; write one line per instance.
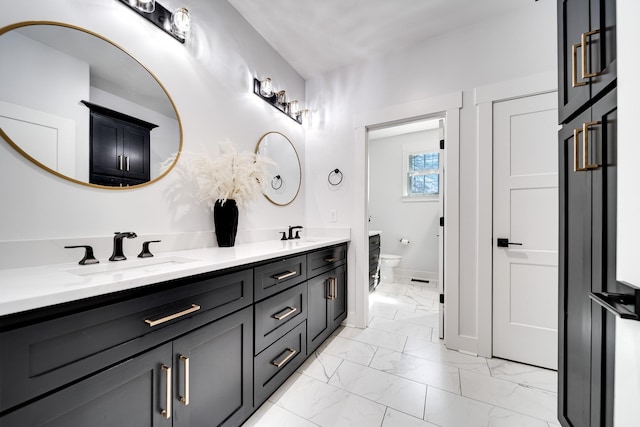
(82, 108)
(285, 175)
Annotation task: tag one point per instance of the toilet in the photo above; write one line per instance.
(387, 263)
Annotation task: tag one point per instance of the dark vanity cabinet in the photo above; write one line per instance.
(587, 187)
(189, 352)
(374, 261)
(120, 148)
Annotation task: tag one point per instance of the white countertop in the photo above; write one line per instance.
(28, 288)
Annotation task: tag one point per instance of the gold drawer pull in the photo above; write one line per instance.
(283, 276)
(285, 313)
(166, 413)
(152, 323)
(185, 399)
(277, 363)
(334, 259)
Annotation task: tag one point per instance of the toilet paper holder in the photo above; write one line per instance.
(404, 241)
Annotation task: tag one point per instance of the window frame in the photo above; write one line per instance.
(411, 150)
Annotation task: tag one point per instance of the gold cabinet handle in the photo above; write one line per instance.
(185, 399)
(166, 413)
(278, 363)
(126, 161)
(583, 43)
(585, 148)
(335, 288)
(332, 288)
(285, 313)
(120, 167)
(152, 323)
(574, 66)
(283, 276)
(334, 259)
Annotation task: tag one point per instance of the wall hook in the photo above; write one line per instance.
(335, 177)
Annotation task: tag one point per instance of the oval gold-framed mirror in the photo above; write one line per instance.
(286, 172)
(82, 108)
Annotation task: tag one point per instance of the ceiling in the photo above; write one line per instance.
(317, 36)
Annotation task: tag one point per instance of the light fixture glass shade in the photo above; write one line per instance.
(147, 6)
(304, 115)
(282, 97)
(181, 22)
(266, 88)
(294, 108)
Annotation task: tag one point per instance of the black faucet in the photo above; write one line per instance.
(291, 228)
(118, 254)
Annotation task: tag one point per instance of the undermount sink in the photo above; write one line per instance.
(149, 265)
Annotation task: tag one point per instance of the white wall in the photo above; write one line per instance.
(627, 363)
(504, 48)
(417, 221)
(210, 80)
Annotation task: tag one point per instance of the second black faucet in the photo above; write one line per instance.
(118, 253)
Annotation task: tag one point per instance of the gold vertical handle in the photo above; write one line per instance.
(120, 167)
(335, 288)
(166, 413)
(185, 399)
(585, 142)
(574, 66)
(585, 148)
(126, 161)
(584, 42)
(331, 281)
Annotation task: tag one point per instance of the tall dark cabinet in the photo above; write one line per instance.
(587, 157)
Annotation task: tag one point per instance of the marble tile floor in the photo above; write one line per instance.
(398, 373)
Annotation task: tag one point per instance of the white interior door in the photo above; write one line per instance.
(525, 212)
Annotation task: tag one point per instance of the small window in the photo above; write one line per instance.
(422, 174)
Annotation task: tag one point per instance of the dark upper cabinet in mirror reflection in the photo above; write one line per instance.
(48, 69)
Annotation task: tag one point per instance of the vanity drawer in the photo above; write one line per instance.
(275, 364)
(278, 314)
(277, 276)
(42, 356)
(324, 260)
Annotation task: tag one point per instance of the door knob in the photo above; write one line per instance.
(504, 243)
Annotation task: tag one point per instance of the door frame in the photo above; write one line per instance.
(447, 106)
(485, 97)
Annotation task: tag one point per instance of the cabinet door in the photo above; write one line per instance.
(327, 305)
(573, 91)
(136, 146)
(338, 297)
(106, 146)
(574, 369)
(318, 325)
(594, 23)
(131, 394)
(587, 264)
(214, 372)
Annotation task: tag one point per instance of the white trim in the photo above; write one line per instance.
(485, 97)
(448, 105)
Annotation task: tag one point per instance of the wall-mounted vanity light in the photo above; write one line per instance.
(264, 89)
(177, 23)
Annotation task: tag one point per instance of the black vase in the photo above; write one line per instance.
(225, 220)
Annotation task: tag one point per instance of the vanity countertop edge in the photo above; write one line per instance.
(23, 289)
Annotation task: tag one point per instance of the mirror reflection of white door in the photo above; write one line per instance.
(525, 211)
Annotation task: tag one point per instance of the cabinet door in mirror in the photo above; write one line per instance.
(286, 173)
(48, 68)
